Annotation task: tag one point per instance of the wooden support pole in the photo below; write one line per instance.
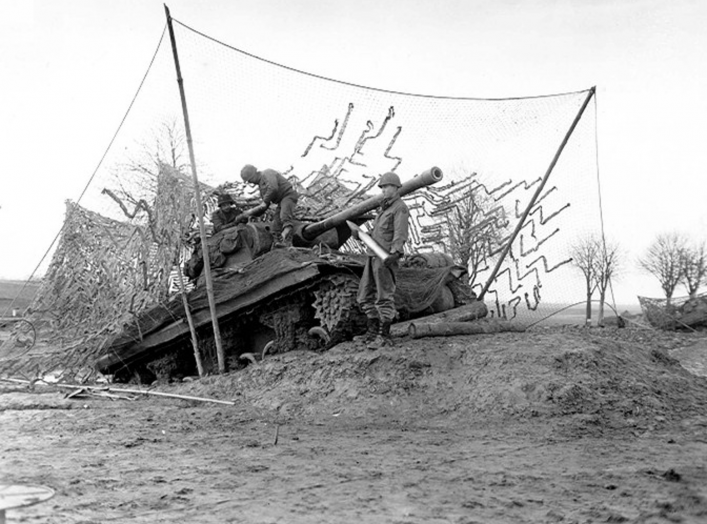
(199, 208)
(190, 320)
(535, 196)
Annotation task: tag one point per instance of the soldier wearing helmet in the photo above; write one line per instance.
(227, 213)
(377, 287)
(275, 189)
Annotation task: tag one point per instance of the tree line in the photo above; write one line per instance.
(671, 258)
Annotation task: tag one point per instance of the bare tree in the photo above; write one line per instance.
(694, 268)
(166, 146)
(664, 260)
(606, 267)
(137, 178)
(586, 253)
(476, 227)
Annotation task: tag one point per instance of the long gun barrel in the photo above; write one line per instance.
(427, 178)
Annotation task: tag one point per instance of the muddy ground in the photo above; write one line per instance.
(553, 425)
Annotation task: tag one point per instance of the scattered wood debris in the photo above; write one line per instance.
(109, 392)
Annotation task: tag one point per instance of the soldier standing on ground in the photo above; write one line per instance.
(377, 288)
(275, 189)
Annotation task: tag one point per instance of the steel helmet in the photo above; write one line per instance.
(248, 173)
(225, 198)
(389, 179)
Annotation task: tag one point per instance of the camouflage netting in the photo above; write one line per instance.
(121, 241)
(104, 273)
(678, 313)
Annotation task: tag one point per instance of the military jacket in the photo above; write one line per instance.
(222, 220)
(274, 187)
(390, 228)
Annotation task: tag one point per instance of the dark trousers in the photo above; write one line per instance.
(376, 292)
(284, 214)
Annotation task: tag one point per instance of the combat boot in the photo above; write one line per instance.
(383, 339)
(372, 329)
(287, 237)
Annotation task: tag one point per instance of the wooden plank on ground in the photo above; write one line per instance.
(465, 313)
(449, 329)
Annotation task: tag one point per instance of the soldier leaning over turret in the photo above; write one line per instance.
(377, 288)
(275, 189)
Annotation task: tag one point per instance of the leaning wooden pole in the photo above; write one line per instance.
(199, 207)
(190, 320)
(534, 199)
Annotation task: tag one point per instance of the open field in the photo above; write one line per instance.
(18, 291)
(575, 315)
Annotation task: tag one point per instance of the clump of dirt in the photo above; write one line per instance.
(590, 380)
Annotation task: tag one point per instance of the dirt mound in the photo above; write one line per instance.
(547, 426)
(595, 379)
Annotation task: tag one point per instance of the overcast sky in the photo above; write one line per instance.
(70, 68)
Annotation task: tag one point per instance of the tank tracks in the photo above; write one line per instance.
(336, 309)
(314, 316)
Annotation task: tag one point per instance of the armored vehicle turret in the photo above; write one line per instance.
(236, 246)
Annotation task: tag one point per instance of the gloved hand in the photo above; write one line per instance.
(392, 259)
(242, 220)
